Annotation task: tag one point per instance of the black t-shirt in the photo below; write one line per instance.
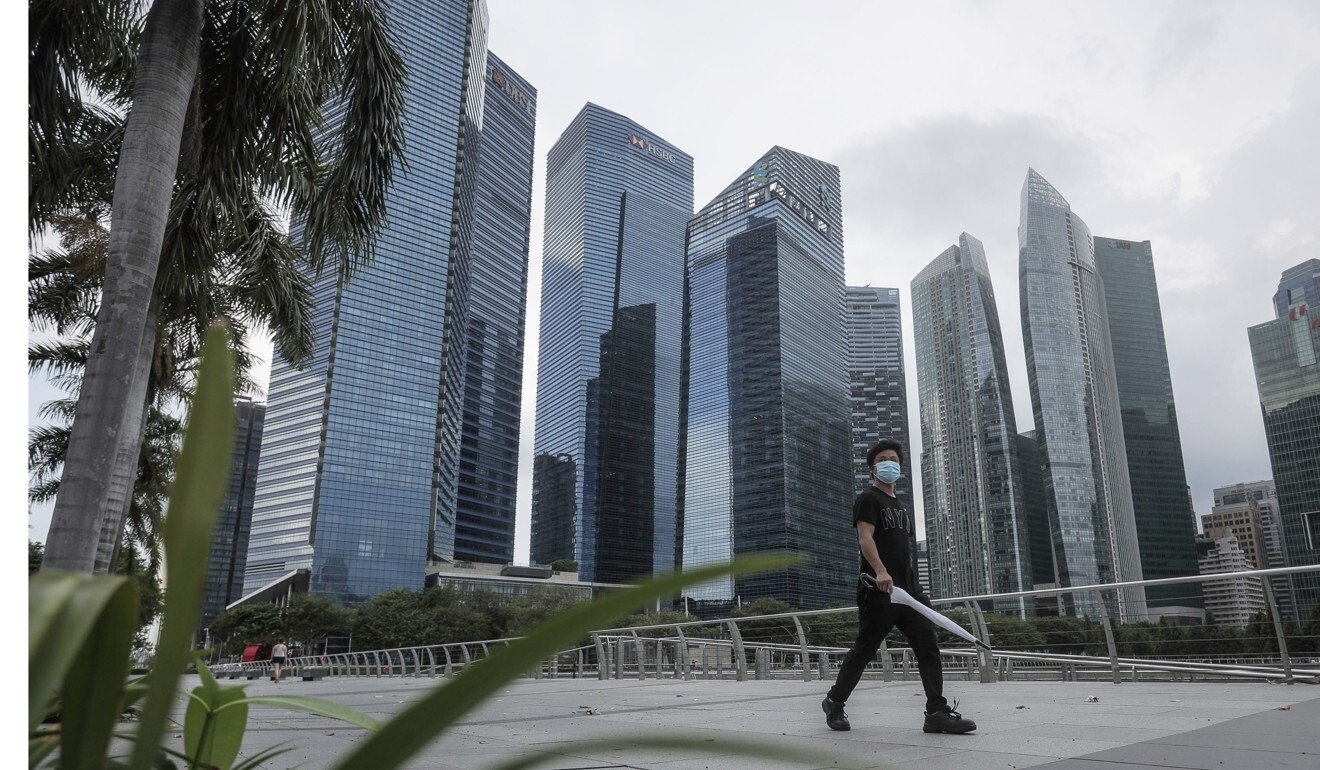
(893, 532)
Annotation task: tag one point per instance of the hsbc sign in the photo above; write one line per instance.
(645, 146)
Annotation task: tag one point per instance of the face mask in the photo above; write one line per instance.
(888, 471)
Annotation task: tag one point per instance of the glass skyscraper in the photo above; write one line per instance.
(605, 475)
(768, 460)
(976, 526)
(497, 302)
(1074, 397)
(874, 323)
(360, 454)
(1299, 285)
(229, 539)
(1161, 501)
(1286, 355)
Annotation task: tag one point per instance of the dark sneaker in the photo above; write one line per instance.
(948, 721)
(834, 716)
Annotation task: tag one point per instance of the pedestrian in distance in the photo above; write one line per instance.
(278, 654)
(884, 529)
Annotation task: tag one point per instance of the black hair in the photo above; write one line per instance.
(882, 445)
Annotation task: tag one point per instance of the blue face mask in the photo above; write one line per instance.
(888, 471)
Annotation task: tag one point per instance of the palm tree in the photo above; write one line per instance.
(256, 286)
(226, 117)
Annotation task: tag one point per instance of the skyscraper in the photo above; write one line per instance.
(874, 322)
(1231, 601)
(1286, 355)
(1074, 397)
(1037, 516)
(229, 539)
(767, 425)
(1256, 504)
(360, 454)
(605, 477)
(493, 358)
(1161, 501)
(976, 524)
(1299, 285)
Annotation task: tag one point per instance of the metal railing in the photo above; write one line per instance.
(718, 649)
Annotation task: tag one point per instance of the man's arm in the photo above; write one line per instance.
(866, 541)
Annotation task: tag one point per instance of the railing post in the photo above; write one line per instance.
(984, 665)
(467, 656)
(1278, 630)
(602, 667)
(430, 656)
(802, 648)
(886, 663)
(641, 656)
(449, 663)
(1109, 637)
(618, 657)
(684, 657)
(739, 659)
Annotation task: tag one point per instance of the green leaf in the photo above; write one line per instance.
(199, 485)
(63, 609)
(214, 724)
(94, 685)
(410, 730)
(315, 706)
(40, 747)
(261, 758)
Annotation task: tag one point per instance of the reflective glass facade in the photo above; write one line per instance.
(874, 324)
(1300, 285)
(976, 525)
(767, 436)
(1161, 501)
(1035, 511)
(496, 314)
(229, 539)
(1074, 397)
(1286, 355)
(605, 474)
(359, 456)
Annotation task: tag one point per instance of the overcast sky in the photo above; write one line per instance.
(1191, 124)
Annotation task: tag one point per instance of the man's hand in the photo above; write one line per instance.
(883, 582)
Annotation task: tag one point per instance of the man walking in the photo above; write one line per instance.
(884, 526)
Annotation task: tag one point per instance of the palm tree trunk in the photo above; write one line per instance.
(108, 418)
(130, 456)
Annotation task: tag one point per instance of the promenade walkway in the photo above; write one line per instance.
(1022, 724)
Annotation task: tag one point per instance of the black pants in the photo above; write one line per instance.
(877, 616)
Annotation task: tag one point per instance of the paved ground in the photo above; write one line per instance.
(1021, 724)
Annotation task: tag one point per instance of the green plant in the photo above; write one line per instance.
(81, 629)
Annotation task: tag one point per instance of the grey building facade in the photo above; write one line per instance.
(605, 482)
(1255, 504)
(360, 454)
(767, 411)
(1161, 501)
(229, 539)
(874, 323)
(487, 485)
(1299, 285)
(1286, 356)
(1074, 397)
(977, 533)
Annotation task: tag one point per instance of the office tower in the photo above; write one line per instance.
(229, 539)
(605, 477)
(976, 525)
(1299, 285)
(874, 324)
(1036, 513)
(1231, 601)
(923, 565)
(1074, 397)
(360, 452)
(1286, 355)
(768, 461)
(1161, 502)
(1251, 510)
(493, 359)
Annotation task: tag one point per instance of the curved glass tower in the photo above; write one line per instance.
(768, 465)
(1074, 395)
(605, 476)
(976, 525)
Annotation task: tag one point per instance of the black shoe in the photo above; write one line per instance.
(948, 721)
(834, 716)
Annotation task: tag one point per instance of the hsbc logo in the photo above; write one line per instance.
(647, 147)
